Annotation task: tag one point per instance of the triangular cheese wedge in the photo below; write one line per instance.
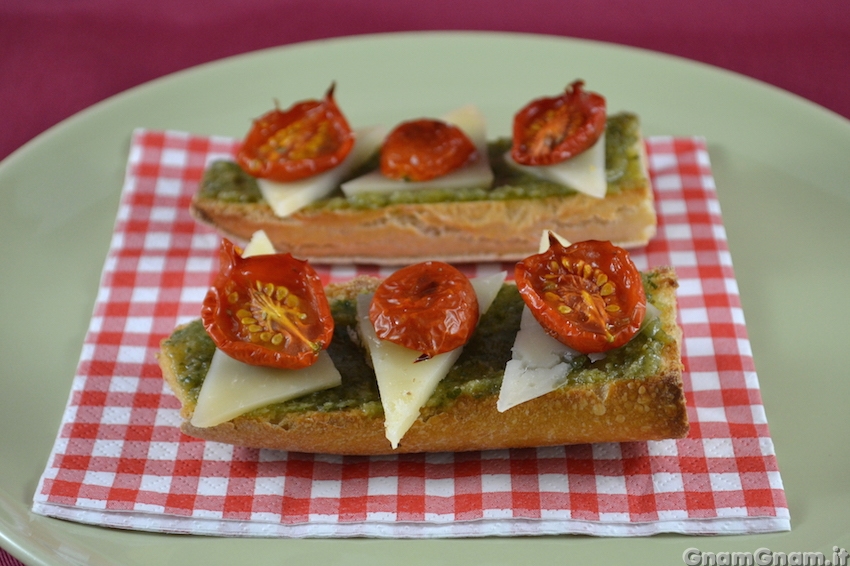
(286, 198)
(544, 241)
(475, 175)
(405, 384)
(540, 363)
(260, 244)
(585, 172)
(232, 388)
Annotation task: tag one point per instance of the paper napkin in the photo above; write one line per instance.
(120, 460)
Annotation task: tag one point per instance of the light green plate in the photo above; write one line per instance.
(782, 167)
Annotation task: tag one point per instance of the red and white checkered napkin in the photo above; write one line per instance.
(120, 460)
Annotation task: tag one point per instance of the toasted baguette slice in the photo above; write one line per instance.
(499, 225)
(647, 403)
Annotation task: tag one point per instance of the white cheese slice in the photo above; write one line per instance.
(232, 388)
(259, 245)
(584, 172)
(473, 123)
(474, 175)
(544, 241)
(405, 384)
(540, 363)
(286, 198)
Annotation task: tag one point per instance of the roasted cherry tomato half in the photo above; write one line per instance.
(310, 137)
(588, 296)
(551, 130)
(267, 310)
(428, 307)
(424, 149)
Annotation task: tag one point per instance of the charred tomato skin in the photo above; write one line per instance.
(267, 310)
(308, 138)
(424, 149)
(588, 295)
(430, 307)
(550, 130)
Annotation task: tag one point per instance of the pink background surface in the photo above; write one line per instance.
(58, 57)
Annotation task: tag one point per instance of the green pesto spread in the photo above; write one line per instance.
(477, 373)
(225, 181)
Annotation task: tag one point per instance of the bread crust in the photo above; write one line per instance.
(621, 410)
(504, 230)
(467, 231)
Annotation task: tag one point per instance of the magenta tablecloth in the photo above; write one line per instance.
(57, 58)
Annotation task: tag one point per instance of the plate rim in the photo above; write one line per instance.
(27, 550)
